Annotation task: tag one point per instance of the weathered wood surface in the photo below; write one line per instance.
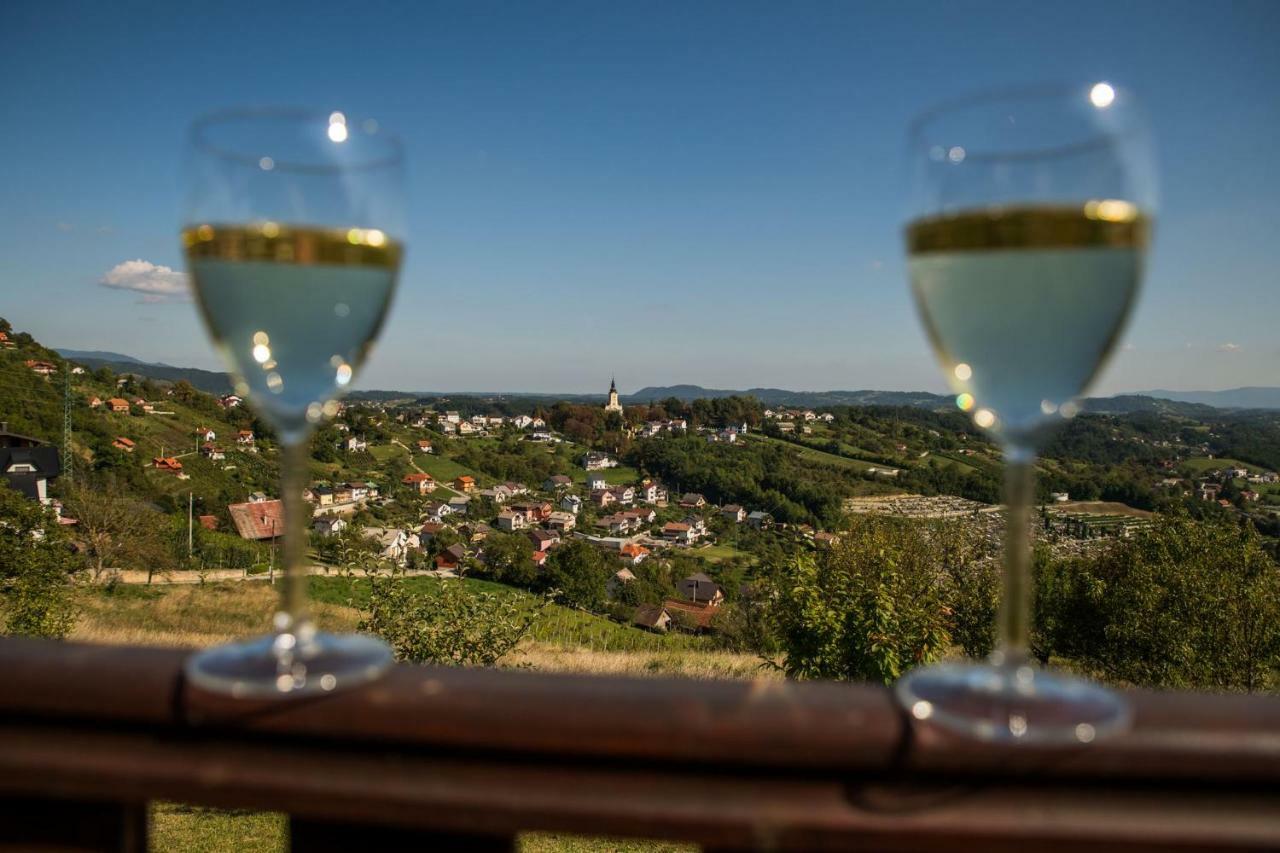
(483, 754)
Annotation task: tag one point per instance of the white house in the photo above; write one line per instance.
(571, 503)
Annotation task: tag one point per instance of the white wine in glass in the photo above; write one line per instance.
(1028, 232)
(292, 243)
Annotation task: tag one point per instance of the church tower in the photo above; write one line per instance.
(613, 405)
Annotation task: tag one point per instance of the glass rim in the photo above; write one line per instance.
(1029, 93)
(198, 139)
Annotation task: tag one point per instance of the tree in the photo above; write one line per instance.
(509, 557)
(1182, 604)
(869, 609)
(445, 623)
(578, 573)
(114, 529)
(36, 564)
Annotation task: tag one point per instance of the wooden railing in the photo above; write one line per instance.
(440, 759)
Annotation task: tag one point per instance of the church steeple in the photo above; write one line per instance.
(613, 405)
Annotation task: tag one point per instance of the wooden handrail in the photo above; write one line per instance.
(478, 753)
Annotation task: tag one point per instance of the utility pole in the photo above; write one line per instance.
(68, 467)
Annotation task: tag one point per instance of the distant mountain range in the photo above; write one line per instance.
(1190, 403)
(208, 381)
(1232, 398)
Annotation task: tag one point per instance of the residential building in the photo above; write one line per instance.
(424, 445)
(556, 482)
(760, 520)
(701, 589)
(465, 484)
(118, 405)
(618, 581)
(597, 461)
(28, 464)
(633, 554)
(167, 463)
(543, 540)
(652, 617)
(450, 559)
(420, 482)
(354, 444)
(258, 520)
(595, 482)
(460, 504)
(692, 500)
(603, 498)
(212, 452)
(562, 521)
(510, 521)
(125, 444)
(733, 513)
(329, 525)
(571, 503)
(206, 434)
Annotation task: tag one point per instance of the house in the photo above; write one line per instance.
(513, 488)
(499, 494)
(539, 559)
(446, 427)
(424, 445)
(693, 500)
(467, 428)
(618, 581)
(245, 438)
(257, 497)
(437, 511)
(1209, 491)
(41, 368)
(652, 617)
(538, 423)
(543, 540)
(603, 498)
(206, 434)
(633, 554)
(675, 531)
(260, 520)
(208, 522)
(534, 511)
(212, 452)
(1250, 495)
(477, 532)
(733, 513)
(342, 494)
(702, 589)
(95, 402)
(460, 504)
(393, 544)
(596, 461)
(571, 503)
(166, 463)
(562, 522)
(329, 525)
(760, 520)
(510, 521)
(616, 523)
(354, 444)
(1060, 497)
(465, 484)
(341, 427)
(144, 405)
(626, 495)
(557, 482)
(28, 464)
(452, 418)
(359, 490)
(450, 559)
(596, 482)
(420, 483)
(229, 401)
(644, 515)
(428, 531)
(689, 616)
(651, 493)
(125, 444)
(323, 495)
(522, 421)
(118, 406)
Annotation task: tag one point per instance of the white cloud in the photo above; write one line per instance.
(64, 227)
(1229, 347)
(155, 283)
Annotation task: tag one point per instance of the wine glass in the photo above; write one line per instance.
(1030, 216)
(291, 235)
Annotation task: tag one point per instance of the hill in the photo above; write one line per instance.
(80, 355)
(202, 380)
(1232, 398)
(1126, 404)
(783, 397)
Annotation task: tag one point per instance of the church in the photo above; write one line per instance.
(613, 405)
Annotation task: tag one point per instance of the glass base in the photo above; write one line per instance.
(283, 665)
(1013, 703)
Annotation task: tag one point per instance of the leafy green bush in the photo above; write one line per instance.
(446, 624)
(36, 564)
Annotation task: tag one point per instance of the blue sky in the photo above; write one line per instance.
(666, 191)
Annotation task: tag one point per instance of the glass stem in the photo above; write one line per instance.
(294, 475)
(1014, 639)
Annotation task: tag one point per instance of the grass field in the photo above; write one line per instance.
(445, 469)
(1199, 464)
(720, 553)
